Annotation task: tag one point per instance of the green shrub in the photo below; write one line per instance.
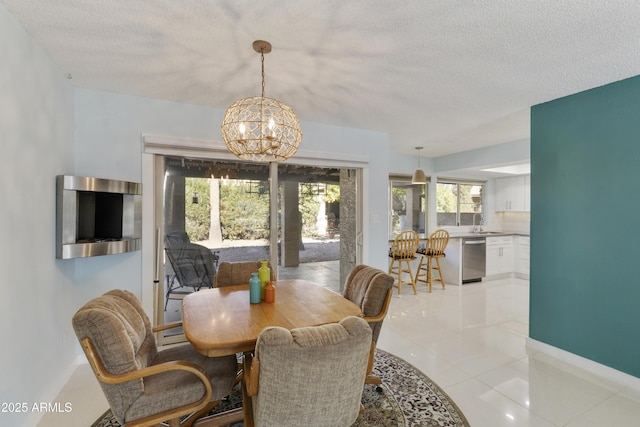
(244, 211)
(197, 215)
(244, 208)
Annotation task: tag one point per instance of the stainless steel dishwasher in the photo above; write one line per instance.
(474, 259)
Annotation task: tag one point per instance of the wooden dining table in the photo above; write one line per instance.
(221, 321)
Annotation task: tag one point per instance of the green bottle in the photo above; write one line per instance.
(264, 273)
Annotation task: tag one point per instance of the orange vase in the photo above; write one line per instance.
(269, 292)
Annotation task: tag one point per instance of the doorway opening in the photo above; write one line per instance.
(222, 209)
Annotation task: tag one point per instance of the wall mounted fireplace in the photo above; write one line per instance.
(97, 216)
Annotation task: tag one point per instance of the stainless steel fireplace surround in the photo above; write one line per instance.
(97, 216)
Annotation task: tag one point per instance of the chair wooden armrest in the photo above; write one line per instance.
(251, 374)
(108, 378)
(167, 326)
(374, 379)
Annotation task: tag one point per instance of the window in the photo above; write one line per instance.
(459, 202)
(408, 206)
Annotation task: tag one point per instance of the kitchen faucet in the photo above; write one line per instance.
(477, 228)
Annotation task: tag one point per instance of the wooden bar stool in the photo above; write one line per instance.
(402, 252)
(433, 251)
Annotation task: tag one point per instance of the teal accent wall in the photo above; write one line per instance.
(585, 224)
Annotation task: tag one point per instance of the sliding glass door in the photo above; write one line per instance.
(221, 210)
(318, 224)
(212, 211)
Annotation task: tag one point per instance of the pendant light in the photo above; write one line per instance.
(261, 129)
(418, 176)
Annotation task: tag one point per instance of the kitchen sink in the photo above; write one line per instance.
(486, 233)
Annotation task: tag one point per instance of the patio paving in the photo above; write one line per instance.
(316, 251)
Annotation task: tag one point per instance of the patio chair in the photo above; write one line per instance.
(194, 266)
(176, 238)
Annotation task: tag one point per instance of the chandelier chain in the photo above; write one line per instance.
(262, 61)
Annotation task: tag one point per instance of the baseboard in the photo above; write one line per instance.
(52, 392)
(588, 365)
(512, 275)
(499, 276)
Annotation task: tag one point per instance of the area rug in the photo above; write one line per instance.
(408, 399)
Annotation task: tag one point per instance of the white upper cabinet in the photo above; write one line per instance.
(513, 194)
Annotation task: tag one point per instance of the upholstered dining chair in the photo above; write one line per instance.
(370, 289)
(433, 251)
(238, 273)
(402, 252)
(311, 376)
(144, 385)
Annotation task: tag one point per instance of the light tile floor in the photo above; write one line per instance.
(471, 341)
(325, 273)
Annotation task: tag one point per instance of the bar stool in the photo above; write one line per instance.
(433, 251)
(402, 252)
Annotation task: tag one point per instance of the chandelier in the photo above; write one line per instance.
(261, 129)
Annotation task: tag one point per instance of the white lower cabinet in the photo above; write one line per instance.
(522, 255)
(500, 255)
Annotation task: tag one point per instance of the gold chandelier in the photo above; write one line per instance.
(261, 129)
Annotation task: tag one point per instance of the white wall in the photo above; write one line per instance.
(108, 145)
(495, 155)
(402, 164)
(36, 133)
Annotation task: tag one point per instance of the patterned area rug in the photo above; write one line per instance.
(408, 399)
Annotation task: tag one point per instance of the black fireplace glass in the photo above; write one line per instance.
(99, 216)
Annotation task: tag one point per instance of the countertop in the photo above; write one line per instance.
(468, 234)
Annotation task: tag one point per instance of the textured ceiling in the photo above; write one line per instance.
(447, 75)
